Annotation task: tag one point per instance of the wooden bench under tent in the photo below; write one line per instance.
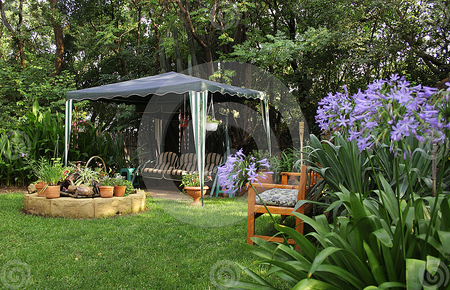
(171, 166)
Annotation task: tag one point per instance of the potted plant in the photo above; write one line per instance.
(121, 186)
(212, 123)
(83, 182)
(107, 187)
(51, 173)
(191, 183)
(274, 164)
(37, 168)
(240, 170)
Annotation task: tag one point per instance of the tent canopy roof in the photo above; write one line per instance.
(139, 90)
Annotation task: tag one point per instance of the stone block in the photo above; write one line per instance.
(106, 207)
(138, 201)
(40, 206)
(84, 207)
(72, 207)
(26, 202)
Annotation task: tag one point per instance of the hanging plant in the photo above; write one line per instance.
(212, 123)
(210, 119)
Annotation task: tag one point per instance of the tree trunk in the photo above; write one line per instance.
(206, 46)
(177, 50)
(16, 33)
(59, 39)
(139, 29)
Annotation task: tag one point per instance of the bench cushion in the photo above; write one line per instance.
(278, 196)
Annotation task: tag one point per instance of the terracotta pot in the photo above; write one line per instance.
(52, 191)
(243, 190)
(196, 193)
(106, 191)
(267, 177)
(39, 187)
(119, 191)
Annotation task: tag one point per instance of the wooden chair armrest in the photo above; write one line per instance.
(291, 173)
(285, 175)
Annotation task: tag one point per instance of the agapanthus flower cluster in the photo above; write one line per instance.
(390, 108)
(239, 170)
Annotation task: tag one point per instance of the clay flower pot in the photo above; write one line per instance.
(266, 178)
(39, 187)
(119, 191)
(196, 193)
(52, 191)
(106, 191)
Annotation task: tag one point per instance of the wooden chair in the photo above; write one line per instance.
(284, 206)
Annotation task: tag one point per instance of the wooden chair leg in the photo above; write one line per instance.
(299, 225)
(250, 227)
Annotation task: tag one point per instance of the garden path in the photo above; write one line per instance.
(165, 189)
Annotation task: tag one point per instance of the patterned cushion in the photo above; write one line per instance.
(189, 167)
(209, 169)
(164, 161)
(188, 158)
(213, 158)
(278, 196)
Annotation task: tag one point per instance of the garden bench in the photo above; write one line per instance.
(280, 199)
(171, 167)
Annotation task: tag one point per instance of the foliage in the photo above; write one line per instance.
(239, 170)
(86, 176)
(272, 160)
(390, 113)
(122, 181)
(117, 154)
(108, 181)
(41, 135)
(192, 179)
(340, 162)
(210, 119)
(372, 247)
(386, 237)
(51, 172)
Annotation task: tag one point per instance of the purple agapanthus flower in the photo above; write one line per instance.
(392, 106)
(238, 170)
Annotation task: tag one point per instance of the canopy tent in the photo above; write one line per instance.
(140, 91)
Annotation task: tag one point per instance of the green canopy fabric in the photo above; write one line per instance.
(140, 91)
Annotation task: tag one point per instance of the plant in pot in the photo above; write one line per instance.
(241, 170)
(191, 183)
(273, 162)
(51, 173)
(107, 187)
(212, 123)
(37, 168)
(84, 181)
(122, 186)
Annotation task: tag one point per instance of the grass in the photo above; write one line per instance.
(170, 246)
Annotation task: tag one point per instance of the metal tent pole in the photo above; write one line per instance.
(67, 129)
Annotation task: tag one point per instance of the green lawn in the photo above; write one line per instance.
(170, 246)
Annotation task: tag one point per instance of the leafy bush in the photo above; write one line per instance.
(41, 135)
(382, 170)
(380, 244)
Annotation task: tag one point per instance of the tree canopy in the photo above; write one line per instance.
(313, 47)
